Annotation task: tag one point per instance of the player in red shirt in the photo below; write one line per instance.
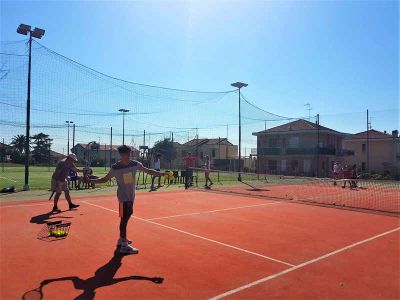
(189, 160)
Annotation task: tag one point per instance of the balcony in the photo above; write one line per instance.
(270, 151)
(346, 152)
(310, 151)
(298, 151)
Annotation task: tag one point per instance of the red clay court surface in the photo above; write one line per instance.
(203, 246)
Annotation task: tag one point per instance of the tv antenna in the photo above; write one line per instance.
(309, 108)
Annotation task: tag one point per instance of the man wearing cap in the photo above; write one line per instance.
(59, 182)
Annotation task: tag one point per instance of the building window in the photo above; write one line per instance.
(272, 165)
(364, 147)
(295, 165)
(273, 142)
(307, 165)
(283, 165)
(363, 166)
(293, 142)
(213, 153)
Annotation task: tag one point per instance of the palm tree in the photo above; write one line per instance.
(18, 142)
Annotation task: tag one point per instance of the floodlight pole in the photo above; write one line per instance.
(73, 138)
(28, 116)
(123, 123)
(68, 122)
(37, 33)
(240, 85)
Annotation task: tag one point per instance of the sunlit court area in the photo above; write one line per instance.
(199, 150)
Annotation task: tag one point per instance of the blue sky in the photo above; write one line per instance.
(340, 56)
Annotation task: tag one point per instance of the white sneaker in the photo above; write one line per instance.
(121, 242)
(127, 249)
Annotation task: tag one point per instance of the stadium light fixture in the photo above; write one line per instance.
(123, 110)
(23, 29)
(240, 85)
(36, 33)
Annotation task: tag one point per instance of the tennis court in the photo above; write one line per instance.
(200, 245)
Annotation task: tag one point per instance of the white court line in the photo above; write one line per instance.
(211, 211)
(273, 276)
(199, 236)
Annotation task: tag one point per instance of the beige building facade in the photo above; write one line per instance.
(377, 151)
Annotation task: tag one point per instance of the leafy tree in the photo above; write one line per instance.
(18, 143)
(17, 157)
(41, 149)
(166, 148)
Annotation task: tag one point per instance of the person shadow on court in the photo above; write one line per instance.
(104, 276)
(47, 217)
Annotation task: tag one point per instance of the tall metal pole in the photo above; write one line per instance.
(240, 141)
(197, 143)
(123, 128)
(28, 116)
(68, 139)
(219, 154)
(3, 157)
(105, 156)
(317, 173)
(367, 141)
(111, 144)
(73, 138)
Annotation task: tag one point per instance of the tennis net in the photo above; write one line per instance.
(368, 195)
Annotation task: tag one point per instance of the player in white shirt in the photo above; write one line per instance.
(336, 171)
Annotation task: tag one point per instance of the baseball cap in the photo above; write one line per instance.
(73, 156)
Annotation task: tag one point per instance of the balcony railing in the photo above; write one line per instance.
(298, 151)
(270, 151)
(310, 151)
